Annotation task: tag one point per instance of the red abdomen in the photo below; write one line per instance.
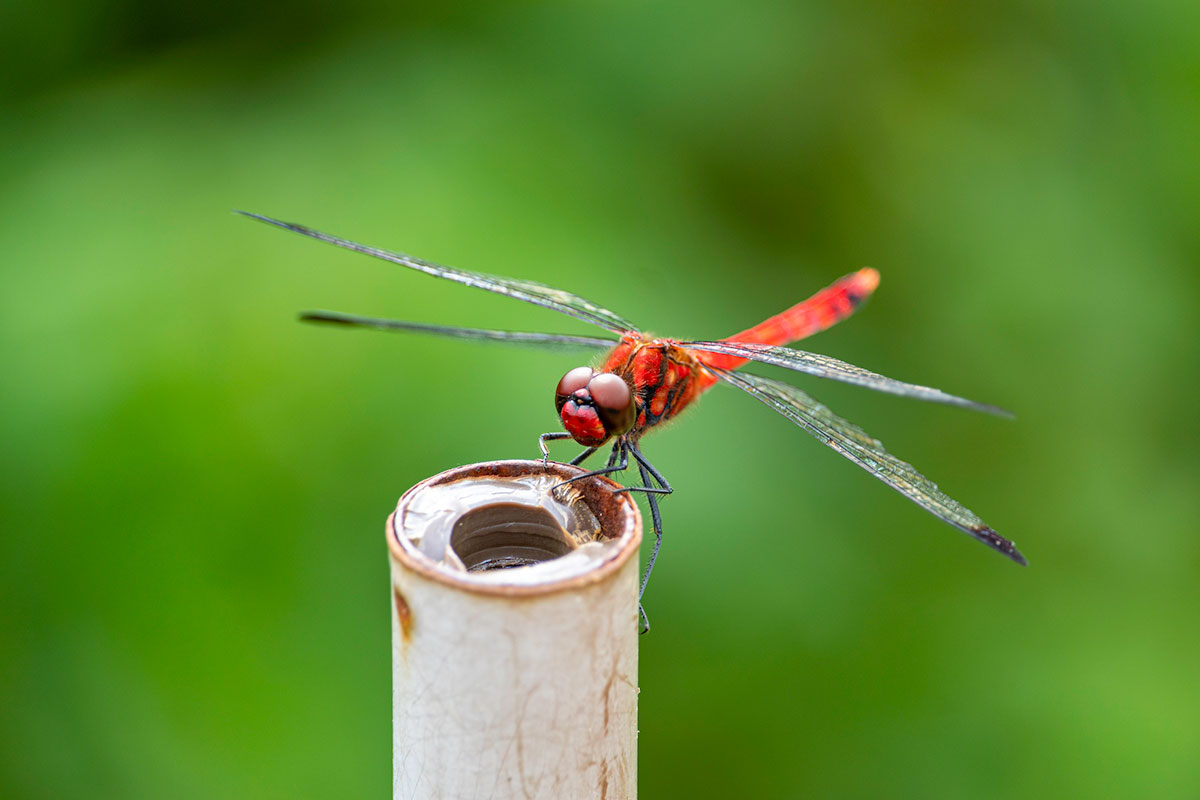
(825, 308)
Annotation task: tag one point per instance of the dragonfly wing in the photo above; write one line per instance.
(553, 340)
(852, 442)
(834, 369)
(535, 293)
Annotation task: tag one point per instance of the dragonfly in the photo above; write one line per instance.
(645, 380)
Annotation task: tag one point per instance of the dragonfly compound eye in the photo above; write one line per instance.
(572, 382)
(613, 401)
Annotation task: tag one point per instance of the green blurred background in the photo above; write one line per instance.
(193, 486)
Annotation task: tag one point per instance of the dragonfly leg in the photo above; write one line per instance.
(656, 519)
(618, 447)
(646, 467)
(579, 459)
(642, 462)
(552, 436)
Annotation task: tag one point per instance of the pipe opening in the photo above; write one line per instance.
(507, 535)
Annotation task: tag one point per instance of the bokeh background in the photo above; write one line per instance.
(193, 582)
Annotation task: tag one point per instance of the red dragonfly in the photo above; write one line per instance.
(645, 381)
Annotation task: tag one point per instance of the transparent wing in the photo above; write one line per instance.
(832, 368)
(535, 293)
(553, 340)
(852, 442)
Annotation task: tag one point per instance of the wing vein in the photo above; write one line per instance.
(853, 443)
(556, 340)
(834, 369)
(545, 296)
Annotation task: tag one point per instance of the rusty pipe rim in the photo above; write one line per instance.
(618, 514)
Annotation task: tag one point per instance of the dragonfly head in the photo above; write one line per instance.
(594, 406)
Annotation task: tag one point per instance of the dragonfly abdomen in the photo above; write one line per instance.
(824, 309)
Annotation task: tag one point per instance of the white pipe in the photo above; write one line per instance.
(519, 682)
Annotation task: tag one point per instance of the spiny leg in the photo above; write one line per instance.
(645, 466)
(650, 476)
(657, 522)
(612, 456)
(618, 447)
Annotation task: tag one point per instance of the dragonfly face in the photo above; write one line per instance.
(594, 406)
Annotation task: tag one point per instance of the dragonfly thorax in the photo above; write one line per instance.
(594, 406)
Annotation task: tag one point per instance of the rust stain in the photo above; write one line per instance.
(608, 699)
(404, 614)
(603, 780)
(607, 691)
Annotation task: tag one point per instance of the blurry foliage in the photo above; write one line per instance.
(193, 486)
